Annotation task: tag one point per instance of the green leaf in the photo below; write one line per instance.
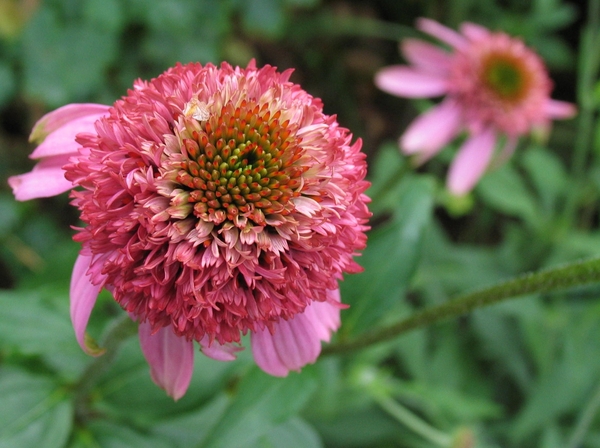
(261, 403)
(505, 191)
(7, 83)
(263, 18)
(548, 175)
(127, 390)
(105, 434)
(189, 429)
(31, 325)
(386, 176)
(295, 433)
(62, 64)
(390, 259)
(35, 412)
(105, 14)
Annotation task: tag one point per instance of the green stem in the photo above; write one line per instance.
(120, 330)
(413, 422)
(575, 274)
(585, 420)
(589, 63)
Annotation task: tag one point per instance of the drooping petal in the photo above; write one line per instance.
(325, 316)
(171, 358)
(560, 109)
(473, 31)
(62, 140)
(471, 162)
(61, 116)
(410, 83)
(83, 295)
(46, 179)
(429, 132)
(295, 342)
(425, 56)
(441, 32)
(219, 352)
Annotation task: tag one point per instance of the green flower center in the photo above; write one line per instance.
(505, 77)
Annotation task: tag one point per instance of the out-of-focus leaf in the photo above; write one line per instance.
(263, 17)
(189, 429)
(32, 326)
(106, 434)
(261, 403)
(127, 390)
(295, 433)
(7, 83)
(449, 402)
(8, 210)
(567, 376)
(303, 3)
(62, 64)
(547, 173)
(359, 428)
(105, 14)
(386, 185)
(505, 191)
(555, 51)
(34, 413)
(390, 259)
(164, 48)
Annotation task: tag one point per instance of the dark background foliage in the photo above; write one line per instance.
(523, 373)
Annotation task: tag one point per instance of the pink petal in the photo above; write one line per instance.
(83, 296)
(441, 32)
(473, 31)
(560, 109)
(425, 56)
(62, 140)
(432, 130)
(61, 116)
(410, 83)
(325, 316)
(295, 342)
(171, 358)
(46, 179)
(471, 162)
(220, 352)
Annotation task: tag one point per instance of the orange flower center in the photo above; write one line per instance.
(241, 162)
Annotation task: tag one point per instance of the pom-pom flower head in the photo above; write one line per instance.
(217, 201)
(494, 86)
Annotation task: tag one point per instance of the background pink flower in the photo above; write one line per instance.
(493, 85)
(216, 201)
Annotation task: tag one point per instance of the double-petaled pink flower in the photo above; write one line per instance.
(217, 201)
(494, 86)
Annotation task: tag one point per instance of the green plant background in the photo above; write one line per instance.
(522, 373)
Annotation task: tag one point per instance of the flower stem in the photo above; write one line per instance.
(413, 422)
(585, 420)
(589, 63)
(120, 330)
(566, 276)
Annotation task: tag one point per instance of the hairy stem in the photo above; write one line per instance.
(566, 276)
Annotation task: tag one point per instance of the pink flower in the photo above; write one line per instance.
(217, 201)
(494, 86)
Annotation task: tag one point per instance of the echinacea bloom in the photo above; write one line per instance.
(217, 201)
(493, 85)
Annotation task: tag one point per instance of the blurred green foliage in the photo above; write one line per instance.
(519, 374)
